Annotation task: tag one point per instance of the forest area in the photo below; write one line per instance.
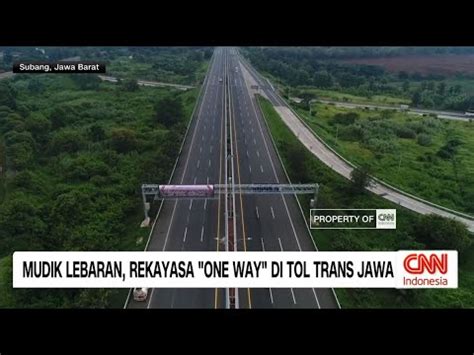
(330, 68)
(74, 151)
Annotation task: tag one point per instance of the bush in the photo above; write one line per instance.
(67, 140)
(424, 139)
(123, 140)
(360, 178)
(352, 133)
(405, 132)
(345, 118)
(169, 111)
(381, 145)
(450, 149)
(442, 233)
(7, 97)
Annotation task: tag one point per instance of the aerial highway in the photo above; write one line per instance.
(329, 157)
(228, 108)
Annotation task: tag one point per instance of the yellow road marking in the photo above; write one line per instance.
(240, 195)
(216, 294)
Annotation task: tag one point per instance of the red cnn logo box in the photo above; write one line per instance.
(418, 263)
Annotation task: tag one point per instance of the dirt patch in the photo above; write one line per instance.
(424, 64)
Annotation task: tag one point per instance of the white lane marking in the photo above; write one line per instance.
(316, 297)
(200, 149)
(269, 290)
(185, 233)
(251, 129)
(202, 137)
(293, 296)
(247, 153)
(190, 204)
(258, 153)
(274, 171)
(261, 168)
(205, 204)
(195, 180)
(197, 165)
(254, 141)
(199, 116)
(209, 163)
(279, 242)
(207, 180)
(250, 168)
(202, 233)
(256, 211)
(273, 213)
(210, 149)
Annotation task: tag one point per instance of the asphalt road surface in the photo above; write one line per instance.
(263, 223)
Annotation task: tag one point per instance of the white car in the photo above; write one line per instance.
(140, 294)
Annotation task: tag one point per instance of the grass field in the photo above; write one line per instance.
(335, 193)
(340, 96)
(423, 64)
(125, 67)
(403, 162)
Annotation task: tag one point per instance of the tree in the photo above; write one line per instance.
(438, 232)
(21, 224)
(39, 126)
(6, 96)
(169, 111)
(36, 86)
(86, 81)
(322, 79)
(441, 89)
(430, 85)
(361, 179)
(63, 115)
(297, 158)
(19, 155)
(67, 140)
(345, 118)
(20, 148)
(130, 85)
(406, 86)
(96, 132)
(7, 57)
(415, 98)
(424, 139)
(123, 140)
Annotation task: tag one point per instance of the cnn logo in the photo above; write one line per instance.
(420, 263)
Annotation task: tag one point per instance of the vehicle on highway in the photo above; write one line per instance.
(220, 80)
(140, 294)
(469, 113)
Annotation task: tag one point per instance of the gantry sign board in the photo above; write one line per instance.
(210, 191)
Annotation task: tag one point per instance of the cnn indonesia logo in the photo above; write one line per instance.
(420, 263)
